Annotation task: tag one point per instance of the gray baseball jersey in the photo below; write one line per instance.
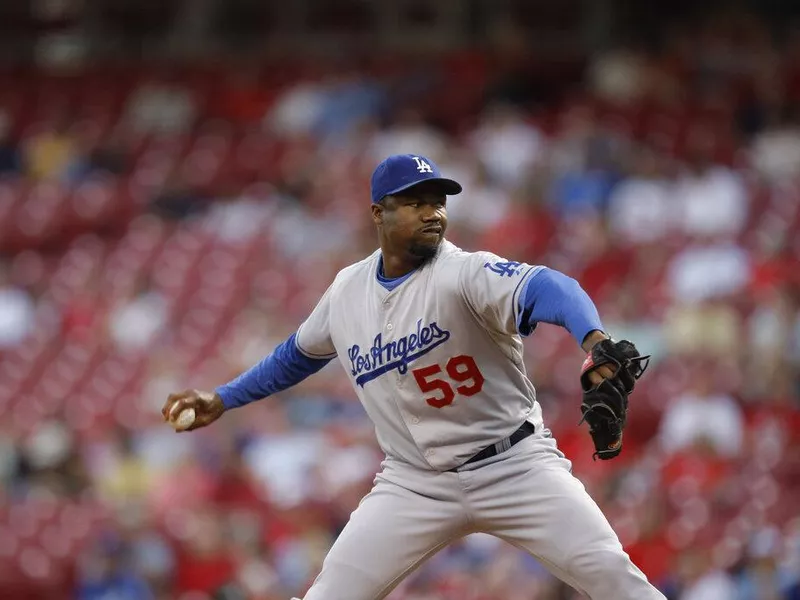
(436, 362)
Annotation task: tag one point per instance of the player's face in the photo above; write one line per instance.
(414, 220)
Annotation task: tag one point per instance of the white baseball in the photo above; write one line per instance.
(184, 419)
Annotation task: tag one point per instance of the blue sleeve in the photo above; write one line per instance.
(282, 369)
(552, 297)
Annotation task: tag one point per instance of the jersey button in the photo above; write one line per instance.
(428, 453)
(415, 420)
(389, 326)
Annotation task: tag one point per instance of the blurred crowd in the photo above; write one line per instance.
(165, 228)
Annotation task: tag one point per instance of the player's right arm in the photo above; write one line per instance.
(301, 355)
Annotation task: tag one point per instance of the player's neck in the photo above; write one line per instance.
(396, 266)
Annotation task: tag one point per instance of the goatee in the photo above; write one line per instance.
(424, 252)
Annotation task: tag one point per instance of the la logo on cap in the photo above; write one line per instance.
(422, 166)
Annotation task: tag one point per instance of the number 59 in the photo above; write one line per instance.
(461, 369)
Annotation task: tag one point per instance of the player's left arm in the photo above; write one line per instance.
(550, 296)
(553, 297)
(512, 298)
(611, 368)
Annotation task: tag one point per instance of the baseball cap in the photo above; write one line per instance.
(402, 171)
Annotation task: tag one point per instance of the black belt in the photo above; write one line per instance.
(520, 434)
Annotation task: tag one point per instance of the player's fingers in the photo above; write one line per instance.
(595, 378)
(178, 406)
(166, 408)
(598, 374)
(605, 371)
(182, 395)
(173, 400)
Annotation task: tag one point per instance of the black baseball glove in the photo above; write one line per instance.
(605, 405)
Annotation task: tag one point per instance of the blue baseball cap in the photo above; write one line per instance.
(402, 171)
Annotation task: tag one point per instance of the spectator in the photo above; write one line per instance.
(10, 162)
(586, 165)
(761, 577)
(108, 155)
(9, 459)
(703, 416)
(407, 133)
(204, 565)
(177, 199)
(527, 229)
(569, 148)
(483, 208)
(136, 322)
(776, 150)
(283, 462)
(241, 219)
(712, 199)
(641, 207)
(50, 154)
(242, 100)
(105, 573)
(297, 110)
(704, 581)
(702, 328)
(17, 311)
(705, 271)
(98, 156)
(152, 556)
(161, 105)
(350, 99)
(513, 76)
(585, 191)
(83, 311)
(49, 456)
(618, 76)
(124, 477)
(507, 145)
(774, 330)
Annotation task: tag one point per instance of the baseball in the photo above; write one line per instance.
(184, 420)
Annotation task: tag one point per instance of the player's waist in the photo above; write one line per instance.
(526, 429)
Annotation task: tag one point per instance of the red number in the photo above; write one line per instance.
(421, 375)
(461, 369)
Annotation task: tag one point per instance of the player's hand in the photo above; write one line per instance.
(617, 366)
(598, 374)
(208, 407)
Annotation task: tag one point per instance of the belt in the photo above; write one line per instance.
(520, 434)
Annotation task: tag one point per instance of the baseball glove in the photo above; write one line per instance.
(605, 405)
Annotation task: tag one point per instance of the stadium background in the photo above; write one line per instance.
(180, 180)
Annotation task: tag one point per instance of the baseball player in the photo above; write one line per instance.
(431, 339)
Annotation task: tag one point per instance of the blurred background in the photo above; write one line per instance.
(181, 179)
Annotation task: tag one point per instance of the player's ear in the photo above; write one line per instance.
(377, 213)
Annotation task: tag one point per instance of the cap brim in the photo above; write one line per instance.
(448, 186)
